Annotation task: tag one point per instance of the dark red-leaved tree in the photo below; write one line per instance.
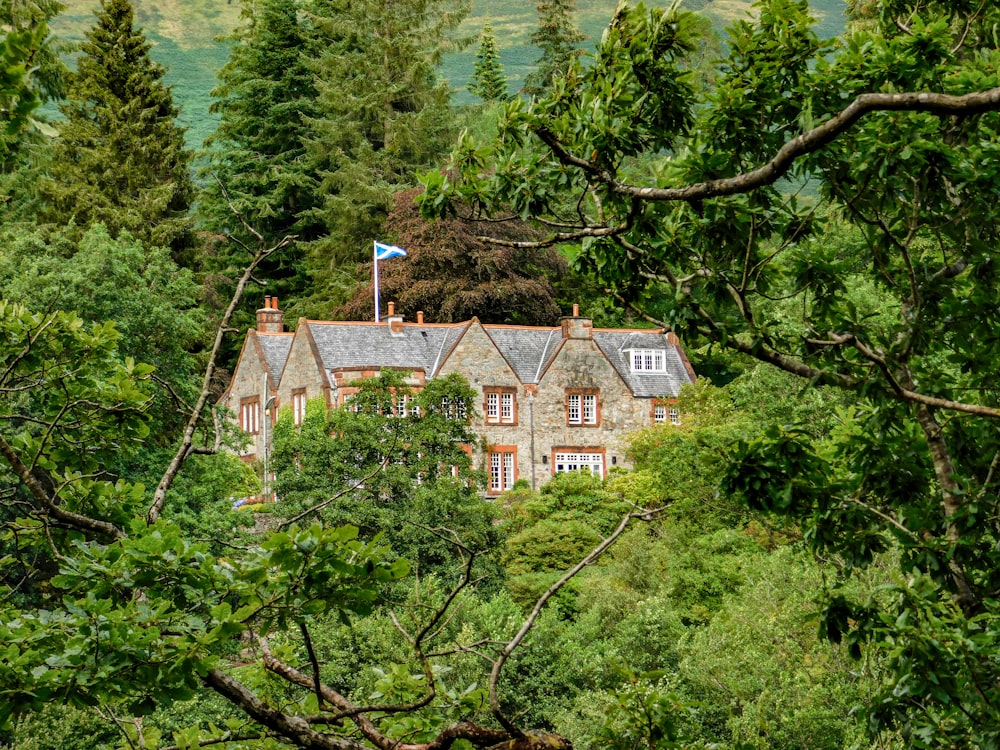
(452, 275)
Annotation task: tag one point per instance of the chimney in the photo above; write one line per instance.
(420, 317)
(575, 327)
(269, 318)
(395, 322)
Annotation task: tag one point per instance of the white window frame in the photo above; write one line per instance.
(581, 409)
(566, 461)
(674, 414)
(502, 469)
(647, 360)
(659, 414)
(250, 416)
(298, 407)
(500, 407)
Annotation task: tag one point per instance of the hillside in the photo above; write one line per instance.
(184, 34)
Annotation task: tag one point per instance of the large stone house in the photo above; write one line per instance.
(552, 399)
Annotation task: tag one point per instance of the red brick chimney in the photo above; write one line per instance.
(575, 327)
(269, 318)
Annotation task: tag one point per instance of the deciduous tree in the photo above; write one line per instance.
(452, 275)
(678, 202)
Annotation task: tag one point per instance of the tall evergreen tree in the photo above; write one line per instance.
(488, 80)
(120, 156)
(557, 36)
(385, 116)
(264, 99)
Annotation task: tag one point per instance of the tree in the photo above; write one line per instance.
(257, 157)
(558, 37)
(384, 113)
(452, 275)
(488, 80)
(152, 302)
(120, 158)
(678, 204)
(390, 462)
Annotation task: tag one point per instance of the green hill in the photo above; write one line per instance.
(184, 37)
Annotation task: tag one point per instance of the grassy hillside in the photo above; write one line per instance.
(184, 32)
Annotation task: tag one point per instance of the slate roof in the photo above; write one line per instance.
(528, 350)
(615, 344)
(358, 345)
(275, 347)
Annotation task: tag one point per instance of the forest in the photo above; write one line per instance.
(810, 560)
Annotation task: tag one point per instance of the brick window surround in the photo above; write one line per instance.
(501, 466)
(665, 411)
(500, 405)
(583, 407)
(250, 414)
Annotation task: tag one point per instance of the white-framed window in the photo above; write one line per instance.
(659, 413)
(500, 406)
(454, 409)
(581, 408)
(674, 414)
(502, 460)
(298, 405)
(250, 415)
(401, 404)
(573, 461)
(647, 360)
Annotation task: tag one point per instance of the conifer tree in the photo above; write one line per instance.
(264, 99)
(557, 36)
(488, 80)
(120, 156)
(385, 115)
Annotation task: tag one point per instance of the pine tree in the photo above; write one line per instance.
(385, 115)
(120, 156)
(557, 36)
(488, 80)
(265, 99)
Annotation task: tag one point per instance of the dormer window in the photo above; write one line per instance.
(647, 360)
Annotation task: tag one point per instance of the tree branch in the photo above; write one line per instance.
(806, 143)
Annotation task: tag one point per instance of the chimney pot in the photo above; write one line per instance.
(576, 310)
(392, 308)
(269, 318)
(420, 317)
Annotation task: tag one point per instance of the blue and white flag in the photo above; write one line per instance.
(384, 252)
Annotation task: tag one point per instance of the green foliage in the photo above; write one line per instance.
(399, 475)
(488, 80)
(257, 162)
(383, 113)
(680, 209)
(120, 158)
(151, 301)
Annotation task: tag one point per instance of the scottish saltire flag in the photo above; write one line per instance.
(384, 252)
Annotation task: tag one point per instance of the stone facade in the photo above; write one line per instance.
(550, 399)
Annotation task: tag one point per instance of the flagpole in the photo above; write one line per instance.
(375, 261)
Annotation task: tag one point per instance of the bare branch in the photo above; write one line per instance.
(184, 449)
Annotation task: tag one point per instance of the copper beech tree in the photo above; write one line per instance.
(829, 208)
